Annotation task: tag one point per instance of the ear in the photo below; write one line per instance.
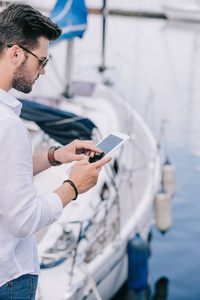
(15, 54)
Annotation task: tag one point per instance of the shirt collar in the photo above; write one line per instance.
(10, 101)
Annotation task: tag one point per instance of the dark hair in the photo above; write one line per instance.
(21, 24)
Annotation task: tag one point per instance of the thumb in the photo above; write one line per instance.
(81, 156)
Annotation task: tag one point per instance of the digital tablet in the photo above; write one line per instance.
(109, 144)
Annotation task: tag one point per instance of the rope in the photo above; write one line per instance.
(91, 284)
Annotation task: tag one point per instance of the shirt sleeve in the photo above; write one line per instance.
(23, 211)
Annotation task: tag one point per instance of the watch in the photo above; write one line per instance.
(51, 158)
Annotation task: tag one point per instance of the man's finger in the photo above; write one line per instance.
(87, 146)
(100, 163)
(80, 157)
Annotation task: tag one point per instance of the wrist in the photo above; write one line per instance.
(73, 186)
(51, 157)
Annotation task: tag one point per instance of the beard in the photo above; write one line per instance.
(21, 81)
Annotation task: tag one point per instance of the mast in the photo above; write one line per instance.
(104, 14)
(68, 93)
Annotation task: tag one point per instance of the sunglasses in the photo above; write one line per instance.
(42, 63)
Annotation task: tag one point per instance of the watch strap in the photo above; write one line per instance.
(51, 157)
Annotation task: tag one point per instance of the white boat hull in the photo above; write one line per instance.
(137, 183)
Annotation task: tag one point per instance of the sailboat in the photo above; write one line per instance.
(84, 254)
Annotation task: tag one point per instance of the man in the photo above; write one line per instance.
(24, 40)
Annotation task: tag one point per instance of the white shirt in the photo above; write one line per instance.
(22, 211)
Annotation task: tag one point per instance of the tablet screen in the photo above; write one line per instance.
(106, 145)
(109, 143)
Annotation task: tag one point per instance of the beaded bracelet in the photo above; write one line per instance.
(73, 185)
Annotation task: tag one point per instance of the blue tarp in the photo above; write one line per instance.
(71, 16)
(60, 125)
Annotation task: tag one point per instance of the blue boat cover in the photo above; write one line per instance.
(60, 125)
(71, 16)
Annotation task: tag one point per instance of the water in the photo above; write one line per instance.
(155, 64)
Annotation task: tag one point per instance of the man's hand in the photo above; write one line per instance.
(75, 151)
(85, 175)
